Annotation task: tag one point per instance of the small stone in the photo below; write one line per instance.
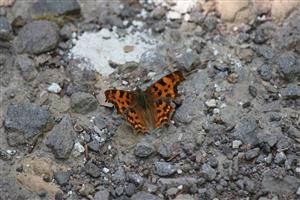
(298, 191)
(185, 197)
(19, 168)
(187, 60)
(209, 172)
(252, 90)
(130, 189)
(83, 102)
(288, 65)
(5, 29)
(94, 145)
(212, 103)
(266, 51)
(119, 175)
(164, 168)
(37, 37)
(236, 144)
(27, 67)
(246, 130)
(62, 177)
(265, 72)
(144, 195)
(290, 92)
(150, 187)
(143, 150)
(172, 191)
(61, 139)
(165, 150)
(102, 195)
(172, 15)
(105, 170)
(86, 189)
(92, 169)
(67, 31)
(47, 7)
(135, 178)
(54, 88)
(260, 36)
(78, 149)
(252, 153)
(280, 158)
(119, 190)
(200, 139)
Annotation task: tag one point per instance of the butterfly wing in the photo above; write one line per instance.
(136, 120)
(121, 99)
(166, 86)
(163, 111)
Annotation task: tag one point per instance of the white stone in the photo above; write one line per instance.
(236, 144)
(105, 170)
(173, 15)
(78, 149)
(298, 191)
(11, 152)
(54, 88)
(211, 103)
(179, 171)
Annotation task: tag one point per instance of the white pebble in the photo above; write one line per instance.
(236, 144)
(179, 171)
(105, 170)
(54, 88)
(78, 149)
(211, 103)
(11, 152)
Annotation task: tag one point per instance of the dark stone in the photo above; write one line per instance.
(292, 91)
(83, 102)
(46, 7)
(265, 72)
(94, 145)
(130, 189)
(164, 168)
(27, 67)
(252, 153)
(246, 130)
(92, 169)
(260, 36)
(252, 90)
(61, 139)
(37, 37)
(143, 150)
(62, 177)
(29, 119)
(145, 196)
(288, 65)
(5, 29)
(66, 31)
(210, 23)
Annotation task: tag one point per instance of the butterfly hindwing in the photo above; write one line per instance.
(163, 110)
(121, 99)
(136, 121)
(166, 86)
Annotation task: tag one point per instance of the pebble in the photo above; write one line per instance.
(265, 72)
(165, 150)
(246, 130)
(6, 33)
(78, 149)
(92, 169)
(26, 66)
(292, 91)
(62, 177)
(298, 191)
(144, 195)
(135, 178)
(105, 170)
(212, 103)
(54, 88)
(143, 150)
(130, 189)
(288, 65)
(280, 158)
(209, 172)
(252, 153)
(83, 103)
(94, 145)
(164, 168)
(102, 195)
(236, 144)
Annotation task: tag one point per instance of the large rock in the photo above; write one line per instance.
(37, 37)
(61, 139)
(42, 7)
(28, 119)
(83, 103)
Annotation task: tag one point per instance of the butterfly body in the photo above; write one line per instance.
(149, 109)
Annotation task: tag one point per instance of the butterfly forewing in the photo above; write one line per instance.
(121, 99)
(166, 86)
(163, 110)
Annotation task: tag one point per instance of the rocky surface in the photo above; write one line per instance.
(235, 132)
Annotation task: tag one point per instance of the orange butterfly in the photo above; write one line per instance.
(149, 109)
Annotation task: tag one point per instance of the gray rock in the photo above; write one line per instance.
(119, 175)
(286, 185)
(29, 119)
(252, 153)
(260, 36)
(290, 92)
(184, 197)
(165, 150)
(152, 60)
(166, 183)
(5, 29)
(298, 191)
(94, 145)
(135, 178)
(209, 172)
(83, 102)
(246, 130)
(150, 187)
(130, 189)
(265, 72)
(37, 37)
(86, 189)
(26, 66)
(46, 7)
(145, 196)
(62, 177)
(164, 168)
(266, 51)
(119, 190)
(66, 31)
(61, 139)
(172, 191)
(143, 150)
(92, 169)
(188, 60)
(102, 195)
(283, 143)
(288, 65)
(280, 158)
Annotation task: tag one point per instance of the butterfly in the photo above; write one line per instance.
(149, 109)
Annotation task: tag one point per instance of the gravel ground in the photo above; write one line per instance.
(235, 133)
